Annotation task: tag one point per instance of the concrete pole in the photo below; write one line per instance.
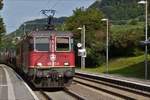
(83, 47)
(146, 38)
(24, 29)
(107, 45)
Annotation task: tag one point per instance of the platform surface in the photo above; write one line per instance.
(12, 87)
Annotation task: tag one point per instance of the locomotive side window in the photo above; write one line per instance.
(42, 43)
(62, 44)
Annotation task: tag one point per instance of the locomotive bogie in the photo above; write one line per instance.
(53, 77)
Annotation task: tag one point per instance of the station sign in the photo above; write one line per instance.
(145, 42)
(82, 52)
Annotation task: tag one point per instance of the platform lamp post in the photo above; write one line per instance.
(146, 37)
(24, 28)
(83, 46)
(107, 43)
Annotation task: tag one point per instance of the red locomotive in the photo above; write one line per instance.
(47, 58)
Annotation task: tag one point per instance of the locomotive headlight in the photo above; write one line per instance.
(39, 64)
(66, 64)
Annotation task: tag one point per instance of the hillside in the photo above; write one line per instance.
(37, 24)
(120, 9)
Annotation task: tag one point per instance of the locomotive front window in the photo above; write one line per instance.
(62, 43)
(42, 44)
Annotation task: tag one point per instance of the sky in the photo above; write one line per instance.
(16, 12)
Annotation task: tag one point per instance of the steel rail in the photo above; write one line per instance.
(129, 84)
(106, 91)
(45, 95)
(69, 92)
(111, 83)
(79, 97)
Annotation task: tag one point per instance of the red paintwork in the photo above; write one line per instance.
(27, 58)
(44, 58)
(31, 58)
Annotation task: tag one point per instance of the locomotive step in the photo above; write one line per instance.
(12, 86)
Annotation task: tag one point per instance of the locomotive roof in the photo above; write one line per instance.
(49, 33)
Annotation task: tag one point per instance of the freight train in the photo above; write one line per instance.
(45, 57)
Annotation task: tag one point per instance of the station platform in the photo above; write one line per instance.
(117, 77)
(13, 87)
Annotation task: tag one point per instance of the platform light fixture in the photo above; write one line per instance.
(107, 42)
(146, 37)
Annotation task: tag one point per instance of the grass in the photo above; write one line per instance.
(128, 67)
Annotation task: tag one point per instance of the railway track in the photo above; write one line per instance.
(41, 95)
(88, 87)
(71, 93)
(118, 88)
(63, 94)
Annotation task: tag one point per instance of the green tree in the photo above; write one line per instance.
(120, 9)
(125, 40)
(1, 4)
(2, 28)
(95, 37)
